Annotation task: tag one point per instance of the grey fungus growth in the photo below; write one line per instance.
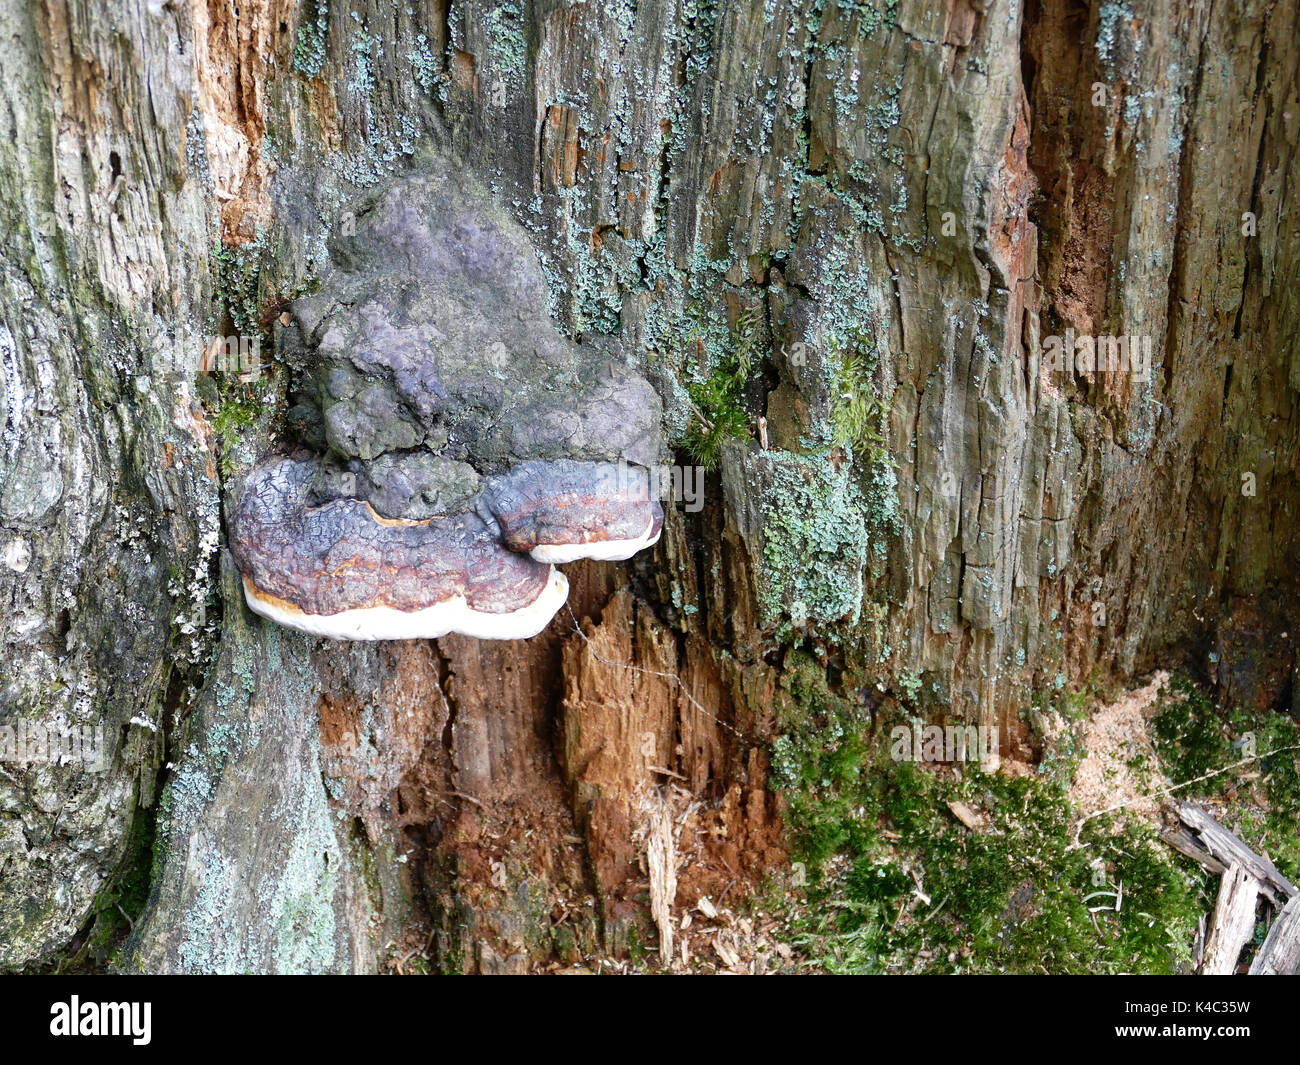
(453, 445)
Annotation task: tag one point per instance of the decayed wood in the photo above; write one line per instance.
(1232, 923)
(634, 711)
(1198, 943)
(965, 815)
(1280, 954)
(661, 859)
(1228, 848)
(1186, 843)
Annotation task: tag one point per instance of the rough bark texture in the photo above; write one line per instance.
(907, 195)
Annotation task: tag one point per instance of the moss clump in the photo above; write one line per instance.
(1190, 736)
(896, 884)
(719, 399)
(858, 414)
(1200, 743)
(242, 404)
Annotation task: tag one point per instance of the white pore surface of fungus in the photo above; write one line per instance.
(599, 550)
(428, 623)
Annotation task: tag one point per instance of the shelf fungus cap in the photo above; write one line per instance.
(341, 570)
(567, 510)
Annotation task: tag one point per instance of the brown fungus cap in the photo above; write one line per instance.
(339, 569)
(563, 511)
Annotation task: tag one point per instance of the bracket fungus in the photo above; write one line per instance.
(453, 445)
(564, 510)
(341, 569)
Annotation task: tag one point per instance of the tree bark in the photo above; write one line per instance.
(932, 187)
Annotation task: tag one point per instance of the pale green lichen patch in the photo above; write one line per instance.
(1110, 19)
(814, 542)
(309, 54)
(239, 271)
(302, 906)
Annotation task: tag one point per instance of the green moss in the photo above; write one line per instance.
(719, 399)
(859, 423)
(858, 415)
(1200, 743)
(898, 885)
(1191, 736)
(637, 950)
(241, 404)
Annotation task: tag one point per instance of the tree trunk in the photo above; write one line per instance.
(881, 211)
